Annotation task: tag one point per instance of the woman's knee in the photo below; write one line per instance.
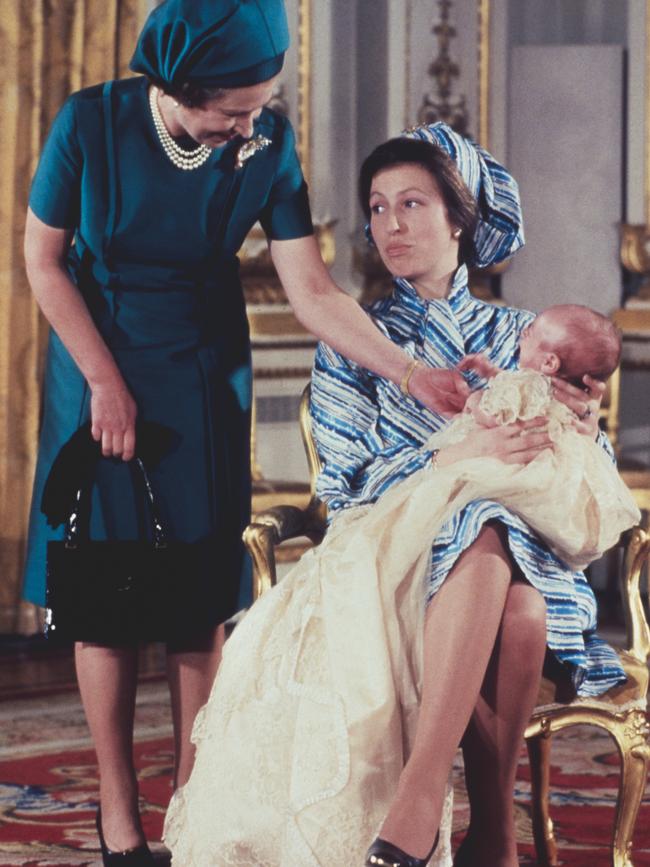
(525, 614)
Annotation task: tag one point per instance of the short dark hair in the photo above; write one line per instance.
(462, 209)
(189, 94)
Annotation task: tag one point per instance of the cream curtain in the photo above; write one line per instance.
(48, 48)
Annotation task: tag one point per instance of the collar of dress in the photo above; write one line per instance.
(459, 294)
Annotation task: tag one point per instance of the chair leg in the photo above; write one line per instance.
(539, 753)
(630, 734)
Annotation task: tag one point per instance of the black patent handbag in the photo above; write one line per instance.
(120, 592)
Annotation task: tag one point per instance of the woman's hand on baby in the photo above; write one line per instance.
(516, 443)
(443, 391)
(113, 412)
(585, 404)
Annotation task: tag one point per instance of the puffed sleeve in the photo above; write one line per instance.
(287, 214)
(55, 192)
(358, 464)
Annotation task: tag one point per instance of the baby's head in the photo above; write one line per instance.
(570, 340)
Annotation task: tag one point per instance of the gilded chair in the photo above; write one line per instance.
(636, 324)
(621, 712)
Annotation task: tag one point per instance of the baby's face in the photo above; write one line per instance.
(536, 341)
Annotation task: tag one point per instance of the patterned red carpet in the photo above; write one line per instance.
(48, 786)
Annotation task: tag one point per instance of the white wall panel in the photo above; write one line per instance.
(565, 149)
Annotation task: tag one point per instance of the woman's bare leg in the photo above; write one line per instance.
(107, 681)
(460, 630)
(494, 736)
(190, 672)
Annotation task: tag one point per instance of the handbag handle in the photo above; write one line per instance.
(82, 503)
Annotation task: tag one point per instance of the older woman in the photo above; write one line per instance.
(144, 192)
(340, 703)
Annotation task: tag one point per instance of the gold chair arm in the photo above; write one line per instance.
(280, 523)
(258, 538)
(273, 526)
(636, 556)
(306, 432)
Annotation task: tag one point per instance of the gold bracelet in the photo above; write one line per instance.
(434, 458)
(404, 384)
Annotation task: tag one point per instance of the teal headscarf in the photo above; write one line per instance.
(213, 43)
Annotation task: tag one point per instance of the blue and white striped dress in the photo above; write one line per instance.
(370, 437)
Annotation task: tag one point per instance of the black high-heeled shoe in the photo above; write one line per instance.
(139, 856)
(384, 854)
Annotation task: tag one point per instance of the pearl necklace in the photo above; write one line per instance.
(182, 159)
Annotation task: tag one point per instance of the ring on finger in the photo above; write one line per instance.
(585, 415)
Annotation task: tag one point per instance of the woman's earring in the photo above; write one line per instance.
(456, 234)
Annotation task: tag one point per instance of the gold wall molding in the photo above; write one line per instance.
(439, 104)
(483, 132)
(443, 69)
(275, 373)
(304, 85)
(275, 324)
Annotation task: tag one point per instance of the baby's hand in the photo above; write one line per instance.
(473, 406)
(480, 364)
(484, 419)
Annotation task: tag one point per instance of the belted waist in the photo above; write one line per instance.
(159, 278)
(213, 273)
(137, 306)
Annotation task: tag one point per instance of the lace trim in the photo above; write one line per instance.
(330, 699)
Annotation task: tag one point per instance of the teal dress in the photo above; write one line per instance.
(155, 259)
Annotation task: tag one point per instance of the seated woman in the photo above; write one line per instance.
(342, 697)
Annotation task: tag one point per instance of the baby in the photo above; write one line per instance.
(567, 340)
(570, 494)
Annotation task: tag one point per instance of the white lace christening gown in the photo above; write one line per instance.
(309, 723)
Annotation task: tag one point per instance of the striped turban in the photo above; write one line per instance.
(499, 232)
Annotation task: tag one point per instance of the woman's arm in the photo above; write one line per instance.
(113, 410)
(336, 318)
